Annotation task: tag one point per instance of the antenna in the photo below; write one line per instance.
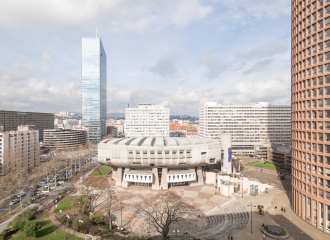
(96, 33)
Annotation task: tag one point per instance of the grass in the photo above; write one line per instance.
(47, 232)
(283, 232)
(68, 204)
(266, 166)
(104, 169)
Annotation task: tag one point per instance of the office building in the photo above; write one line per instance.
(147, 120)
(310, 101)
(11, 119)
(94, 88)
(19, 148)
(64, 139)
(249, 125)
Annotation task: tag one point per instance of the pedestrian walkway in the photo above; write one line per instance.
(4, 224)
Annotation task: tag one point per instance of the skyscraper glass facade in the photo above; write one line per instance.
(94, 88)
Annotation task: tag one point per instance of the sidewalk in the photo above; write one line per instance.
(4, 224)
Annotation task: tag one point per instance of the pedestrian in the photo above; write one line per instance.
(281, 209)
(263, 225)
(228, 237)
(266, 190)
(275, 208)
(231, 237)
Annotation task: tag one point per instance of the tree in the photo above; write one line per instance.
(31, 228)
(163, 209)
(111, 203)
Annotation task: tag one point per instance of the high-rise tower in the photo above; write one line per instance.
(94, 88)
(310, 104)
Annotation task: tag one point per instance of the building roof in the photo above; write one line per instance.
(158, 141)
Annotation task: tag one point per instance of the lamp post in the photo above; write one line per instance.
(121, 214)
(250, 205)
(148, 231)
(176, 233)
(242, 184)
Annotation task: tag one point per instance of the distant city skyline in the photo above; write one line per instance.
(176, 53)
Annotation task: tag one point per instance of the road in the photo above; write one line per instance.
(4, 208)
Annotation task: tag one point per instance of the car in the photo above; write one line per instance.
(14, 201)
(21, 194)
(31, 194)
(36, 186)
(46, 181)
(52, 180)
(46, 186)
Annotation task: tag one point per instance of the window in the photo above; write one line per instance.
(321, 24)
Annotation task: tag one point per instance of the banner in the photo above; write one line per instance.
(229, 154)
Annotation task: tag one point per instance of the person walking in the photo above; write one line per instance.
(275, 208)
(281, 209)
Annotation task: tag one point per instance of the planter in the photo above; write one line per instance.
(275, 236)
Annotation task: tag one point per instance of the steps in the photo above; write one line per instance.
(227, 221)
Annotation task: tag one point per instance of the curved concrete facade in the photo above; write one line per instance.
(159, 161)
(310, 101)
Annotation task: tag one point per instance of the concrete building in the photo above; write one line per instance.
(310, 101)
(64, 139)
(63, 114)
(147, 120)
(162, 162)
(20, 147)
(248, 124)
(11, 119)
(94, 88)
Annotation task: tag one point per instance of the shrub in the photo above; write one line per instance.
(85, 221)
(18, 223)
(31, 228)
(92, 231)
(97, 217)
(5, 233)
(265, 162)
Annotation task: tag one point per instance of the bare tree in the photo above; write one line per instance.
(112, 203)
(164, 209)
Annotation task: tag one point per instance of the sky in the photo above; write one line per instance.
(180, 53)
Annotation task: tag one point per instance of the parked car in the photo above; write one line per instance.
(31, 194)
(46, 186)
(52, 180)
(21, 194)
(14, 201)
(46, 181)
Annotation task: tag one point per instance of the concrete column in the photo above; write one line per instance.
(164, 183)
(226, 146)
(119, 176)
(125, 183)
(155, 179)
(200, 180)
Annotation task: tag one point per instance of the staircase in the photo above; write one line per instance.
(227, 221)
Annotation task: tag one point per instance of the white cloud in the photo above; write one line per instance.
(41, 96)
(166, 66)
(244, 10)
(115, 15)
(245, 92)
(259, 66)
(214, 65)
(265, 50)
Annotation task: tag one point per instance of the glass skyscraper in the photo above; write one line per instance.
(94, 88)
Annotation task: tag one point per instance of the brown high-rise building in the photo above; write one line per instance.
(310, 97)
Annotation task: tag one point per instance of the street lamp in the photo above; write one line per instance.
(148, 231)
(242, 184)
(250, 205)
(121, 214)
(176, 233)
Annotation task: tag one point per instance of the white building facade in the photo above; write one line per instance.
(162, 162)
(249, 125)
(21, 146)
(147, 120)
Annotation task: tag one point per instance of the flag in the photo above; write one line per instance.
(263, 237)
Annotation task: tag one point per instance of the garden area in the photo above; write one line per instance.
(266, 165)
(275, 230)
(101, 170)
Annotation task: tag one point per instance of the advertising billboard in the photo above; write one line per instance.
(229, 154)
